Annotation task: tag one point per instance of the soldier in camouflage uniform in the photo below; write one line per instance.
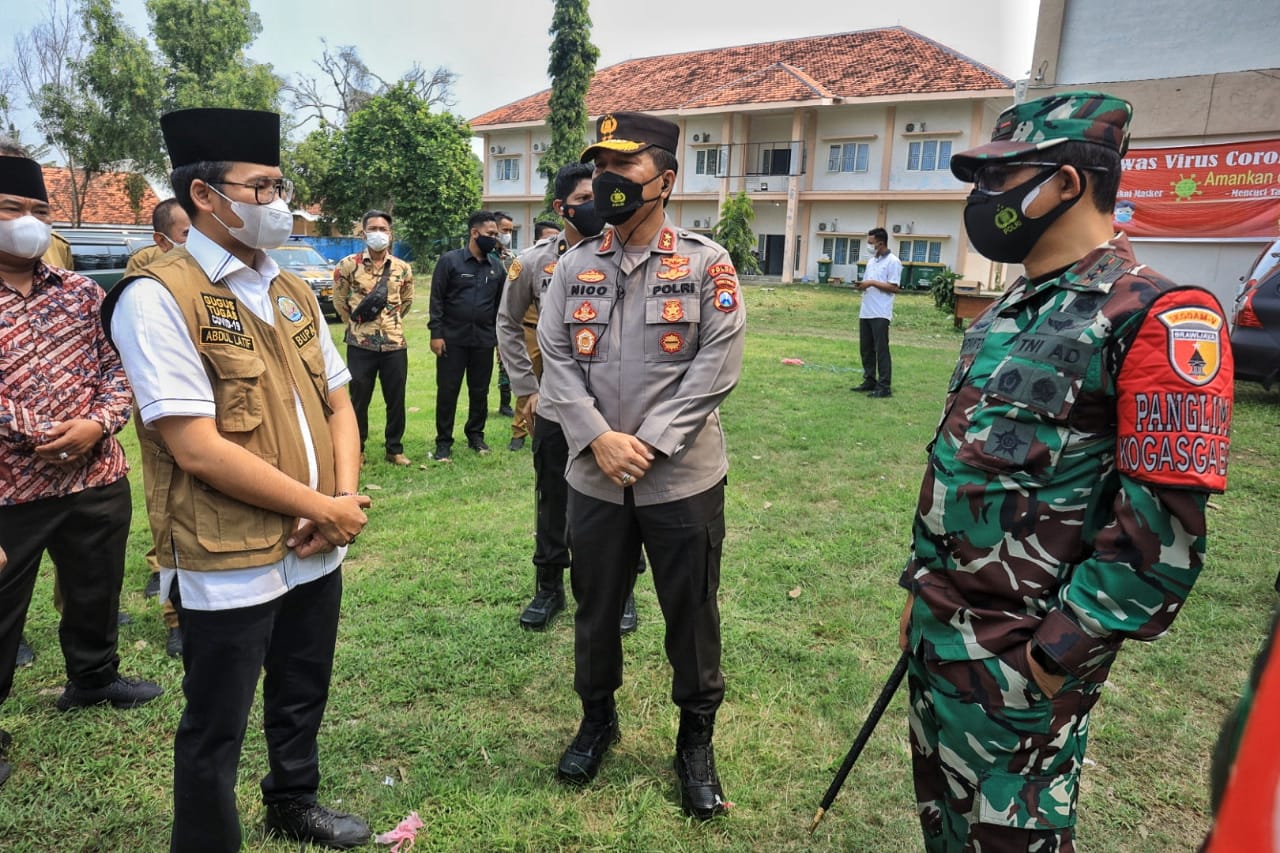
(1063, 506)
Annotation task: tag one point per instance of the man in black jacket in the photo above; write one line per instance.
(465, 290)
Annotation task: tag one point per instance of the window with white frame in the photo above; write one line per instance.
(841, 250)
(929, 155)
(707, 162)
(920, 251)
(506, 169)
(848, 157)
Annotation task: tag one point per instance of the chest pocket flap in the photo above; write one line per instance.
(671, 327)
(588, 321)
(237, 387)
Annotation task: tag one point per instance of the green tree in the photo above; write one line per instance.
(202, 44)
(396, 155)
(571, 67)
(94, 89)
(733, 231)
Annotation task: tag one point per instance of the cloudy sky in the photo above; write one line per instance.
(499, 50)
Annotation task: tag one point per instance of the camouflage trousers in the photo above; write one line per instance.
(995, 761)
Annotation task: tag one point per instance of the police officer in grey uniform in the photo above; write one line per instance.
(641, 334)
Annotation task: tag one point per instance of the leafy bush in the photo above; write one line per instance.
(943, 290)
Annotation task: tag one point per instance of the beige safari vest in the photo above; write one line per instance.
(254, 369)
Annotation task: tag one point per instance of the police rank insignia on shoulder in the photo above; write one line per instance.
(585, 313)
(607, 243)
(514, 272)
(673, 310)
(585, 340)
(666, 240)
(289, 308)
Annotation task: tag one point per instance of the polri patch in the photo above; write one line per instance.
(673, 310)
(289, 309)
(550, 268)
(726, 283)
(674, 274)
(591, 276)
(586, 341)
(671, 343)
(224, 312)
(514, 272)
(585, 313)
(720, 269)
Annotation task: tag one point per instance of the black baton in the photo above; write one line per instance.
(877, 711)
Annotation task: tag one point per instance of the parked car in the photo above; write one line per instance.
(305, 262)
(102, 253)
(1255, 334)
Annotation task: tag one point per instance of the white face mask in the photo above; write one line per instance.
(377, 240)
(25, 237)
(265, 225)
(505, 239)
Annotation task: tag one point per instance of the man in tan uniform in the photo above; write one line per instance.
(169, 227)
(372, 292)
(641, 333)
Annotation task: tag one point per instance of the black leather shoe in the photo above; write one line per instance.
(548, 600)
(597, 732)
(121, 693)
(881, 392)
(516, 444)
(506, 411)
(479, 446)
(173, 643)
(865, 386)
(629, 621)
(317, 825)
(695, 764)
(444, 453)
(152, 589)
(26, 655)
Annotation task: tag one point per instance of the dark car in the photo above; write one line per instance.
(102, 253)
(309, 265)
(1255, 335)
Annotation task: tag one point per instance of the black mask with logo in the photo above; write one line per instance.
(998, 225)
(584, 219)
(485, 243)
(616, 197)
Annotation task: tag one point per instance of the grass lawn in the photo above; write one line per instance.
(442, 705)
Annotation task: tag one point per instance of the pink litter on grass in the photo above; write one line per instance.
(793, 361)
(407, 830)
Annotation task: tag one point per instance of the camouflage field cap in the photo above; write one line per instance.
(631, 132)
(1045, 122)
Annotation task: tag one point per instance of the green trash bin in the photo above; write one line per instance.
(862, 270)
(922, 275)
(824, 271)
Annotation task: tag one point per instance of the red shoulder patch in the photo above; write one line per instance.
(1174, 395)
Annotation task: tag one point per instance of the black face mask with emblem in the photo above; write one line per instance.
(617, 197)
(584, 219)
(485, 243)
(998, 225)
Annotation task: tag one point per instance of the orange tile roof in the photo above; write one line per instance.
(107, 202)
(863, 64)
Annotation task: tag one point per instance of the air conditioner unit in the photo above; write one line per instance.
(493, 149)
(911, 127)
(697, 223)
(699, 137)
(822, 226)
(897, 229)
(538, 146)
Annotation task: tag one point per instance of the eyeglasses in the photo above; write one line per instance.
(265, 190)
(994, 178)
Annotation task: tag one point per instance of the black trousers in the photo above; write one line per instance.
(551, 494)
(85, 534)
(873, 339)
(391, 369)
(476, 364)
(223, 651)
(683, 540)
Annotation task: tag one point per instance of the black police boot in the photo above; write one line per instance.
(504, 401)
(26, 655)
(597, 732)
(548, 600)
(316, 824)
(695, 765)
(5, 767)
(629, 621)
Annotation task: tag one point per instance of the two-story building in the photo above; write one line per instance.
(829, 135)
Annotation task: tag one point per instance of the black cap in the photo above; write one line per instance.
(214, 134)
(632, 132)
(23, 177)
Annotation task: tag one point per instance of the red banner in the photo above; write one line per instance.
(1218, 191)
